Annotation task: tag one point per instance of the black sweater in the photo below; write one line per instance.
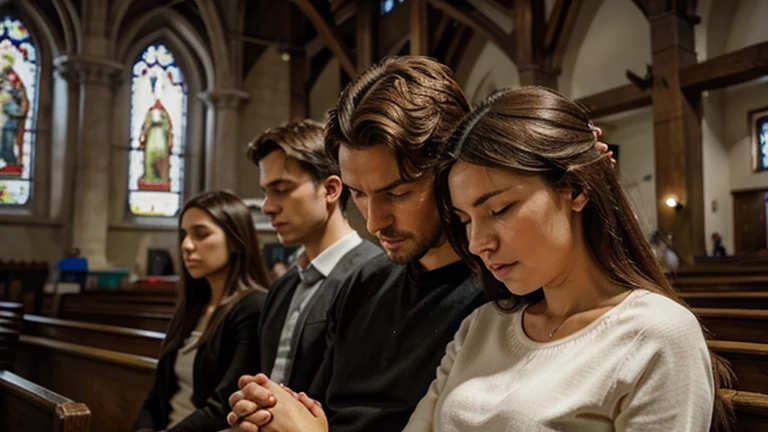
(231, 352)
(387, 336)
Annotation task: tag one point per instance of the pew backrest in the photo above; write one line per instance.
(121, 339)
(112, 384)
(28, 407)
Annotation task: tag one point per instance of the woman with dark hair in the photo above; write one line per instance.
(210, 341)
(584, 332)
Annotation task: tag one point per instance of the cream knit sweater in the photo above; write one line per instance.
(642, 366)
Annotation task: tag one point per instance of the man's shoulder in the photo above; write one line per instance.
(363, 251)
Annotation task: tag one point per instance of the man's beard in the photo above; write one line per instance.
(418, 247)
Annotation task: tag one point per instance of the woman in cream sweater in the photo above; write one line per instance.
(585, 333)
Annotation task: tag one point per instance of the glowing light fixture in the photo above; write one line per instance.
(673, 202)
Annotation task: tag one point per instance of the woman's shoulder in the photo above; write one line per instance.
(249, 300)
(658, 316)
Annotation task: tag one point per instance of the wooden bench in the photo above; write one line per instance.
(727, 300)
(121, 339)
(112, 384)
(156, 322)
(744, 325)
(751, 410)
(27, 407)
(749, 362)
(141, 310)
(746, 282)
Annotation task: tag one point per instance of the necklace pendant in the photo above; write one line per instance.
(551, 334)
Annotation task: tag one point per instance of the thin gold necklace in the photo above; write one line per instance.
(552, 333)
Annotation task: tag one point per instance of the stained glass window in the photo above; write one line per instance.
(158, 122)
(18, 109)
(386, 6)
(761, 132)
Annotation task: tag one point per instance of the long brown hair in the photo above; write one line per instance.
(537, 131)
(247, 271)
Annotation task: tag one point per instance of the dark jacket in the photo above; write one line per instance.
(309, 347)
(230, 353)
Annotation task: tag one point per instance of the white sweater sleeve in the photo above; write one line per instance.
(662, 375)
(422, 418)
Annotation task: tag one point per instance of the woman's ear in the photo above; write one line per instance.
(333, 188)
(579, 200)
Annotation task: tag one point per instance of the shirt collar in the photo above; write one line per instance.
(327, 260)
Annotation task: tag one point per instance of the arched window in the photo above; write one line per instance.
(158, 122)
(18, 108)
(386, 6)
(759, 120)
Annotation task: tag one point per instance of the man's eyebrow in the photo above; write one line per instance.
(391, 186)
(276, 182)
(386, 188)
(486, 196)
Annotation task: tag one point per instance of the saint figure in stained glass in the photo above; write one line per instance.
(14, 106)
(156, 141)
(158, 120)
(18, 81)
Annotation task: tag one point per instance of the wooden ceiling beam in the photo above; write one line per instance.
(560, 27)
(466, 14)
(366, 33)
(418, 26)
(726, 70)
(458, 47)
(616, 100)
(323, 21)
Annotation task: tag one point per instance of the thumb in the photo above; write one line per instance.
(314, 406)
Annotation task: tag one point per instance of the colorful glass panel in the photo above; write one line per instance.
(386, 6)
(762, 140)
(158, 122)
(18, 107)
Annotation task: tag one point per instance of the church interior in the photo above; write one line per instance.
(115, 112)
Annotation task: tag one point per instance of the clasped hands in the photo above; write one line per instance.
(261, 405)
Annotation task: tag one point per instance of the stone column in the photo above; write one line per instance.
(223, 146)
(96, 79)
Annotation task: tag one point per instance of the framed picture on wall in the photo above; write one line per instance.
(758, 132)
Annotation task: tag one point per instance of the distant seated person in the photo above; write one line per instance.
(73, 268)
(718, 250)
(665, 256)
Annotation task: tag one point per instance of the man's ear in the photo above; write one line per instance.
(333, 188)
(579, 200)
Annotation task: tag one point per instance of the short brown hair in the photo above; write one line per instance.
(410, 104)
(302, 141)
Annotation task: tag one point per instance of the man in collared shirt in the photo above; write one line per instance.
(305, 201)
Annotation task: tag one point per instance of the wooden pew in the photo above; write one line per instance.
(23, 282)
(749, 362)
(112, 384)
(721, 278)
(141, 309)
(751, 410)
(156, 322)
(27, 407)
(727, 300)
(744, 325)
(121, 339)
